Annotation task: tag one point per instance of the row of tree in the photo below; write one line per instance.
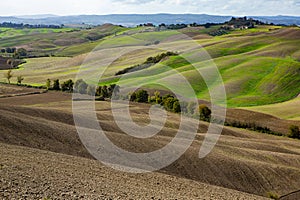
(172, 104)
(150, 61)
(21, 25)
(81, 87)
(14, 52)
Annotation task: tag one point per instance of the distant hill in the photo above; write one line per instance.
(135, 19)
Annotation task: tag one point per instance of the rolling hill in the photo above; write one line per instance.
(242, 160)
(136, 19)
(39, 144)
(259, 66)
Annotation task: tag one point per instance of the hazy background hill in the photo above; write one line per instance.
(135, 19)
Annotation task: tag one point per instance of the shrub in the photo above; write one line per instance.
(272, 195)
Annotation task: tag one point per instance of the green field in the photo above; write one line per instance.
(259, 66)
(285, 110)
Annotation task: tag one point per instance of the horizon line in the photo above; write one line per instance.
(82, 14)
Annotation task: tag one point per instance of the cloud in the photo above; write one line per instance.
(133, 1)
(217, 7)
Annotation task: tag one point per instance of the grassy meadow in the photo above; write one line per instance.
(259, 66)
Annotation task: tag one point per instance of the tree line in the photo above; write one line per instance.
(150, 61)
(81, 87)
(21, 25)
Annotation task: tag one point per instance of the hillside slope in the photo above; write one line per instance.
(35, 174)
(259, 66)
(242, 160)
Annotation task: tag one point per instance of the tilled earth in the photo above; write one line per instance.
(34, 174)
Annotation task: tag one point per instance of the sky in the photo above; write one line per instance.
(102, 7)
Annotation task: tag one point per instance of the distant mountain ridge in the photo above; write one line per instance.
(136, 19)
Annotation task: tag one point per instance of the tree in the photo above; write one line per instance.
(191, 107)
(20, 53)
(48, 84)
(168, 101)
(91, 90)
(56, 85)
(8, 50)
(67, 86)
(8, 75)
(98, 91)
(132, 96)
(104, 92)
(294, 132)
(142, 96)
(176, 107)
(20, 79)
(205, 113)
(157, 97)
(113, 90)
(80, 86)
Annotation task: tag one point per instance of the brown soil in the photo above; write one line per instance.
(3, 64)
(34, 174)
(241, 161)
(290, 33)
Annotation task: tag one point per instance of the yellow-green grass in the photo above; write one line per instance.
(258, 67)
(11, 32)
(285, 110)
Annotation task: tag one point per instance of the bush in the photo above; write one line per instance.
(272, 195)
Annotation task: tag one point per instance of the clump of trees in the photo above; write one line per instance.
(173, 26)
(148, 63)
(252, 126)
(21, 25)
(101, 92)
(294, 132)
(169, 102)
(67, 86)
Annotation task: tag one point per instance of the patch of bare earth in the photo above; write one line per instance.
(242, 161)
